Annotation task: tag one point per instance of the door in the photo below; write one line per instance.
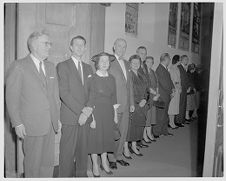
(62, 21)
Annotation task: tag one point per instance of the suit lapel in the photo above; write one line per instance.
(35, 72)
(118, 66)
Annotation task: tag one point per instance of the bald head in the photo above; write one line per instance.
(119, 48)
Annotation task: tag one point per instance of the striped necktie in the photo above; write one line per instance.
(41, 73)
(80, 71)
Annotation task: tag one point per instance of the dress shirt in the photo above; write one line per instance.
(76, 64)
(122, 65)
(36, 62)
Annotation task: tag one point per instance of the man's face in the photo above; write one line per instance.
(120, 48)
(185, 61)
(41, 46)
(142, 53)
(78, 47)
(167, 59)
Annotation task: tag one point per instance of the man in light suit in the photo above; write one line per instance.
(185, 84)
(33, 104)
(120, 70)
(73, 74)
(166, 91)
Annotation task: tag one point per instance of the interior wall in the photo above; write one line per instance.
(152, 31)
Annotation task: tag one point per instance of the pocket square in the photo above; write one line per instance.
(89, 76)
(51, 77)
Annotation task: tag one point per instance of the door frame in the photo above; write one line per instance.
(212, 116)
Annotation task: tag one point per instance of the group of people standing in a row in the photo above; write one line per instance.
(112, 112)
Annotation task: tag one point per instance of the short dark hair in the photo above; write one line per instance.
(135, 57)
(141, 47)
(78, 37)
(163, 56)
(149, 57)
(183, 56)
(176, 58)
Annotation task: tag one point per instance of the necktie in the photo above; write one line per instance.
(80, 70)
(42, 75)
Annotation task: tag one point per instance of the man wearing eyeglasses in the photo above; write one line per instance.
(32, 98)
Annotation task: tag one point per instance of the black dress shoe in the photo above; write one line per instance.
(143, 145)
(96, 175)
(148, 142)
(102, 168)
(169, 134)
(139, 154)
(123, 163)
(127, 157)
(113, 165)
(179, 125)
(155, 136)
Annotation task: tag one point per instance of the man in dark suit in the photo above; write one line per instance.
(73, 74)
(32, 98)
(120, 70)
(185, 84)
(166, 91)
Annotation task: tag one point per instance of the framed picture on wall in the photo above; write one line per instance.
(172, 30)
(185, 26)
(131, 18)
(196, 28)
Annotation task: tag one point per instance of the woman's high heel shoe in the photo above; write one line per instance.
(102, 168)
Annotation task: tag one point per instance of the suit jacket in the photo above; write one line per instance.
(153, 84)
(73, 94)
(185, 83)
(124, 88)
(164, 82)
(29, 101)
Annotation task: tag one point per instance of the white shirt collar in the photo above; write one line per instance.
(164, 66)
(36, 62)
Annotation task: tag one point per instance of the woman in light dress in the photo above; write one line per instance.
(175, 101)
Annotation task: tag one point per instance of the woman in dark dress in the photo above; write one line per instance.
(102, 98)
(153, 96)
(137, 118)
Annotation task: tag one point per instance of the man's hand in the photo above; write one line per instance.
(155, 98)
(20, 131)
(132, 108)
(152, 91)
(87, 111)
(93, 124)
(82, 119)
(142, 103)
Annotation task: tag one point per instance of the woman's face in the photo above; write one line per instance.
(149, 62)
(135, 64)
(104, 63)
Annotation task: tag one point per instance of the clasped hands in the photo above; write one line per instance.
(86, 112)
(142, 103)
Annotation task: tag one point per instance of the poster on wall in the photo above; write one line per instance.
(172, 31)
(185, 26)
(131, 18)
(196, 28)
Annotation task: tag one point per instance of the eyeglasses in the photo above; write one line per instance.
(47, 43)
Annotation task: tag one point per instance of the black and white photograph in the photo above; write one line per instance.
(112, 90)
